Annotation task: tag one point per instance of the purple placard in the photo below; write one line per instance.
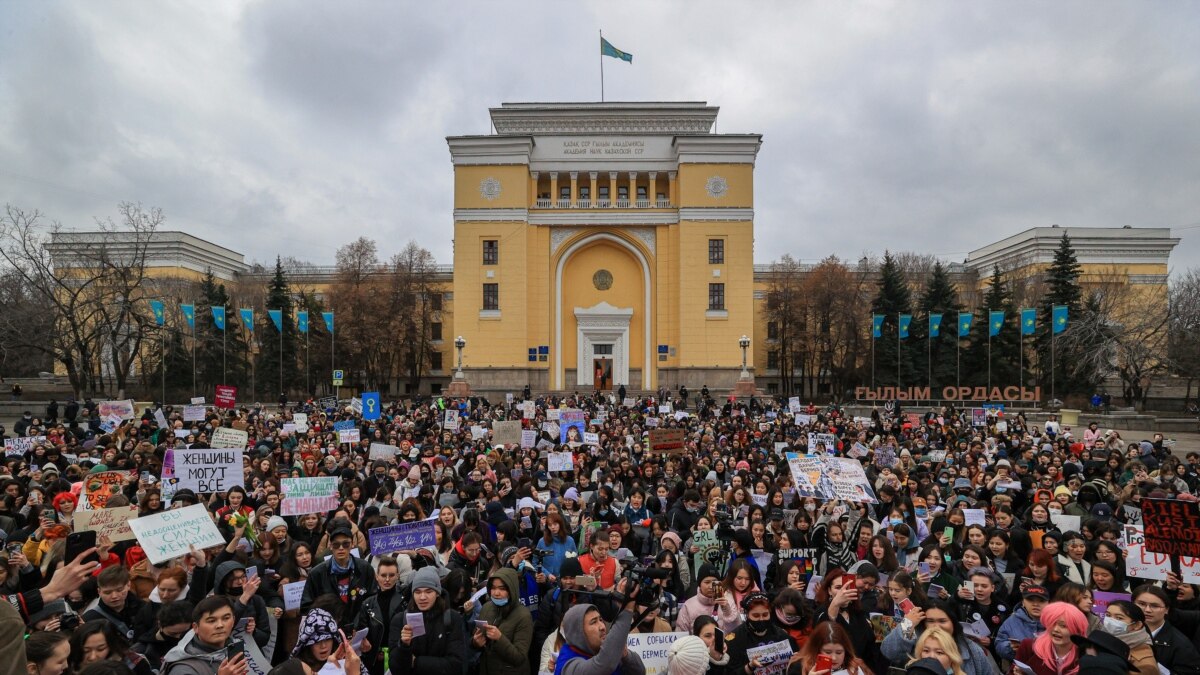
(403, 537)
(1101, 600)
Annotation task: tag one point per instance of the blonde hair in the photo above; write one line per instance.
(946, 642)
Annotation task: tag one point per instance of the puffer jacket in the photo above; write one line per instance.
(1016, 628)
(508, 655)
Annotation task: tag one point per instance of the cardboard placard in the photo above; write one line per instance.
(403, 537)
(1171, 526)
(228, 438)
(667, 441)
(507, 432)
(169, 534)
(208, 471)
(98, 487)
(308, 495)
(112, 523)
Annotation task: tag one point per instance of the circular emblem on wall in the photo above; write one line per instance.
(716, 187)
(602, 280)
(490, 188)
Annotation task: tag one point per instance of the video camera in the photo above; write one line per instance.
(724, 523)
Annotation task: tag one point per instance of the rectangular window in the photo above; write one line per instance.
(772, 330)
(773, 360)
(491, 296)
(716, 251)
(716, 296)
(435, 388)
(435, 302)
(491, 251)
(602, 350)
(435, 361)
(435, 330)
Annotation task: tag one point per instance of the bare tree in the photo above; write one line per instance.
(786, 317)
(1184, 331)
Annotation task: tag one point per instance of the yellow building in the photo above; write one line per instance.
(601, 244)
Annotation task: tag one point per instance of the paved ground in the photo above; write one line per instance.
(1184, 442)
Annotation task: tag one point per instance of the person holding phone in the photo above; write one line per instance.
(706, 629)
(828, 650)
(208, 650)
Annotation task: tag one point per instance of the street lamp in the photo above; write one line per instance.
(459, 343)
(744, 343)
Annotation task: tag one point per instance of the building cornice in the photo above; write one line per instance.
(491, 215)
(718, 149)
(705, 214)
(603, 217)
(489, 150)
(1093, 246)
(604, 118)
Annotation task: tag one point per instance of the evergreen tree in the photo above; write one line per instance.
(314, 369)
(892, 300)
(1062, 282)
(214, 364)
(1005, 346)
(279, 297)
(939, 297)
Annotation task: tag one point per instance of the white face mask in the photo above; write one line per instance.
(1115, 626)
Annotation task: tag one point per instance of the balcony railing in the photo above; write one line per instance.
(585, 203)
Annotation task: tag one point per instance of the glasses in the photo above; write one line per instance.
(1150, 606)
(339, 544)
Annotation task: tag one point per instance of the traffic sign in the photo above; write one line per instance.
(338, 383)
(339, 374)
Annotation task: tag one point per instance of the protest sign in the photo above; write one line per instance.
(827, 478)
(1102, 599)
(308, 495)
(1189, 569)
(226, 397)
(708, 545)
(160, 419)
(554, 414)
(629, 402)
(1065, 523)
(572, 425)
(528, 410)
(591, 439)
(15, 447)
(197, 400)
(528, 438)
(292, 594)
(803, 420)
(227, 438)
(109, 424)
(289, 428)
(1139, 562)
(327, 402)
(208, 471)
(383, 451)
(451, 421)
(978, 417)
(478, 433)
(98, 487)
(301, 421)
(403, 537)
(826, 441)
(975, 517)
(653, 649)
(169, 534)
(506, 432)
(560, 461)
(112, 523)
(773, 657)
(193, 413)
(1171, 526)
(794, 404)
(1133, 514)
(121, 409)
(667, 441)
(551, 428)
(347, 431)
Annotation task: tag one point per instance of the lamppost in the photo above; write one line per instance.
(459, 343)
(744, 343)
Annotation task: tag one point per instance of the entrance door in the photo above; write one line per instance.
(603, 374)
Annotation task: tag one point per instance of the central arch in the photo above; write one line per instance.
(643, 263)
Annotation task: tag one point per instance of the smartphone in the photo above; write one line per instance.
(923, 568)
(78, 542)
(948, 532)
(480, 624)
(586, 582)
(969, 585)
(906, 606)
(719, 640)
(251, 572)
(525, 542)
(236, 647)
(824, 662)
(849, 580)
(14, 547)
(241, 626)
(935, 591)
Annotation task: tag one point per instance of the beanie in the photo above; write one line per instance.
(274, 522)
(688, 656)
(427, 577)
(570, 568)
(707, 570)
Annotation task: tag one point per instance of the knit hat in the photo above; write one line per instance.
(571, 494)
(427, 577)
(707, 570)
(674, 538)
(688, 656)
(1062, 490)
(569, 568)
(316, 626)
(926, 667)
(274, 522)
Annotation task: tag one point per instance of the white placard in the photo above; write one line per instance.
(975, 517)
(208, 471)
(560, 461)
(301, 421)
(169, 534)
(652, 648)
(591, 439)
(1065, 523)
(225, 437)
(197, 400)
(193, 413)
(383, 451)
(292, 594)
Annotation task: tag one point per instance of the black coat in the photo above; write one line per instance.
(741, 639)
(440, 651)
(322, 581)
(1175, 652)
(377, 619)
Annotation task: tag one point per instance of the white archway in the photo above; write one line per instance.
(558, 313)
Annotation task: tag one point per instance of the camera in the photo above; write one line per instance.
(724, 523)
(643, 578)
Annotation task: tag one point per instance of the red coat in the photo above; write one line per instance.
(1025, 655)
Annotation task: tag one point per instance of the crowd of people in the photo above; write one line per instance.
(975, 546)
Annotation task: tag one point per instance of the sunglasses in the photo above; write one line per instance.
(339, 544)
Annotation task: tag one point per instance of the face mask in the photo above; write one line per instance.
(921, 512)
(786, 619)
(944, 481)
(499, 602)
(758, 626)
(1115, 626)
(810, 507)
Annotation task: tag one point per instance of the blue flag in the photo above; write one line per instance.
(370, 403)
(189, 315)
(876, 325)
(905, 319)
(247, 319)
(276, 318)
(302, 321)
(156, 306)
(219, 317)
(328, 316)
(1028, 321)
(1059, 316)
(935, 325)
(995, 322)
(606, 49)
(964, 323)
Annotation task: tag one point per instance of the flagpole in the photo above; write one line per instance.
(307, 379)
(1053, 340)
(873, 351)
(193, 351)
(281, 391)
(897, 351)
(224, 360)
(929, 355)
(164, 366)
(958, 354)
(989, 353)
(1021, 358)
(602, 65)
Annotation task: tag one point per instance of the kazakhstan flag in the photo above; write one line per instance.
(606, 49)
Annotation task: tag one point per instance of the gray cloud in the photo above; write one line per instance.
(275, 127)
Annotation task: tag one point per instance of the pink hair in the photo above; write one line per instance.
(1077, 624)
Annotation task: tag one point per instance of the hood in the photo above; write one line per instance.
(572, 627)
(318, 625)
(190, 648)
(509, 576)
(223, 570)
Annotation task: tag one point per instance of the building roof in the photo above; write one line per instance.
(615, 117)
(165, 248)
(1093, 245)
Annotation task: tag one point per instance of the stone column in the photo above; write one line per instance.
(652, 188)
(554, 188)
(574, 187)
(533, 175)
(633, 188)
(673, 189)
(612, 189)
(592, 175)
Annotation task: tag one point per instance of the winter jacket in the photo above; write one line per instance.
(554, 553)
(1026, 655)
(508, 655)
(256, 609)
(898, 651)
(698, 605)
(439, 651)
(1016, 628)
(359, 583)
(192, 657)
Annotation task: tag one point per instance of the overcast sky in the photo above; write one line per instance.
(293, 127)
